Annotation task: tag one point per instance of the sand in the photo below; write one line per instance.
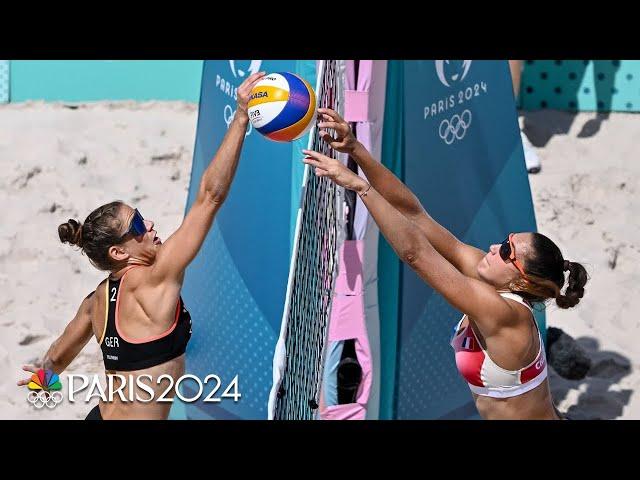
(586, 199)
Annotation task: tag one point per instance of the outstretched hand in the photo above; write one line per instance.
(244, 91)
(335, 170)
(28, 368)
(344, 140)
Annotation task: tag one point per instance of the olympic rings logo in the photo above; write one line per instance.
(228, 114)
(456, 128)
(41, 398)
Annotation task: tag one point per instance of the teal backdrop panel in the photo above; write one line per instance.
(388, 263)
(4, 81)
(463, 158)
(93, 80)
(581, 85)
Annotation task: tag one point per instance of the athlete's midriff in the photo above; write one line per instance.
(536, 404)
(139, 410)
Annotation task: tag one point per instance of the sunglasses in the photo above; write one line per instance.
(136, 227)
(508, 253)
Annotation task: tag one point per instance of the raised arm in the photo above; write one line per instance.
(182, 247)
(471, 296)
(464, 257)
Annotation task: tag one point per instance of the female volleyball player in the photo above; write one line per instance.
(498, 348)
(137, 314)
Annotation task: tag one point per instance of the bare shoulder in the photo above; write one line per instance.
(155, 297)
(88, 305)
(144, 277)
(94, 302)
(497, 314)
(521, 309)
(516, 316)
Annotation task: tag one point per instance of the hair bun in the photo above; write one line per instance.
(71, 233)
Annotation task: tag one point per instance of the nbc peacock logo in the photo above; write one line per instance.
(44, 389)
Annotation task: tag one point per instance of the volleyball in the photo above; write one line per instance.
(282, 106)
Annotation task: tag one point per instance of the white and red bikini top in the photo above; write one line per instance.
(483, 375)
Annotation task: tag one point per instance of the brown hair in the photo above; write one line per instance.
(545, 277)
(101, 229)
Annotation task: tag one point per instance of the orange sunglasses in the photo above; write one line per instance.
(508, 253)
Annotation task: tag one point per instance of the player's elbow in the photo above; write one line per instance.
(214, 194)
(411, 255)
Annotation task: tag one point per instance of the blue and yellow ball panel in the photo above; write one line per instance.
(282, 106)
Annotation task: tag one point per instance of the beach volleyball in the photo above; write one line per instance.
(282, 107)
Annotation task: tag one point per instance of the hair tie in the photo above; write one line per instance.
(79, 237)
